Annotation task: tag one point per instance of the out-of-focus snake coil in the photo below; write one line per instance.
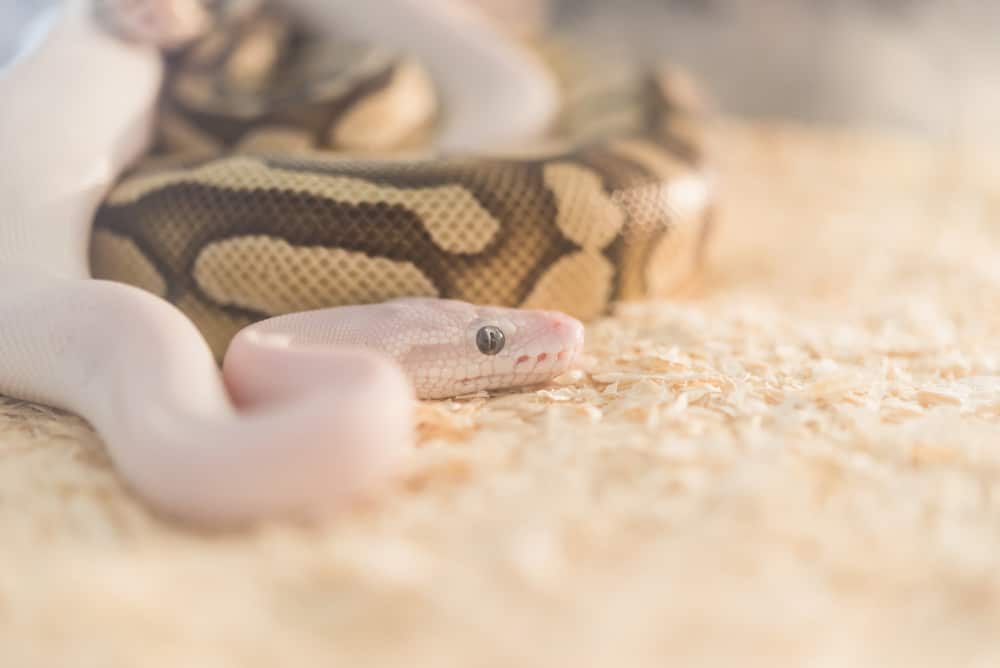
(288, 174)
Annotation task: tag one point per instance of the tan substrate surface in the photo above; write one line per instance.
(802, 460)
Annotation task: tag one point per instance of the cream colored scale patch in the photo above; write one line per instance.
(683, 195)
(586, 214)
(581, 282)
(385, 120)
(271, 276)
(245, 174)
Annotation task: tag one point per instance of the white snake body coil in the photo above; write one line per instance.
(273, 190)
(276, 185)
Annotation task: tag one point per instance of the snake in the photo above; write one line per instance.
(275, 202)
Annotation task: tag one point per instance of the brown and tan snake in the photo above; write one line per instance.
(275, 187)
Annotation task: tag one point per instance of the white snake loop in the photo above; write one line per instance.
(315, 418)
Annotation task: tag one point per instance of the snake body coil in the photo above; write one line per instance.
(272, 191)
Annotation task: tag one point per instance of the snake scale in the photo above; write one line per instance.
(291, 173)
(261, 171)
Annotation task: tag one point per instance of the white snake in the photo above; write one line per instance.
(303, 418)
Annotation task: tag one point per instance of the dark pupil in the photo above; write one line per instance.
(490, 340)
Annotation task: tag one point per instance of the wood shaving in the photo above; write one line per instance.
(797, 464)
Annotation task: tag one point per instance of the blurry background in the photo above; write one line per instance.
(930, 66)
(926, 65)
(13, 14)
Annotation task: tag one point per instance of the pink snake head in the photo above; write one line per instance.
(450, 348)
(446, 348)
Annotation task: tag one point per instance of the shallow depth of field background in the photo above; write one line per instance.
(796, 467)
(923, 65)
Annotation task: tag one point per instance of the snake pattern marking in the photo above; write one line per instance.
(276, 186)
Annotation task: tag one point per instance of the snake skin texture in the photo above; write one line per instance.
(274, 189)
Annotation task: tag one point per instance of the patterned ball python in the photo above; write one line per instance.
(274, 187)
(303, 431)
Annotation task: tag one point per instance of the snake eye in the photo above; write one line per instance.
(490, 340)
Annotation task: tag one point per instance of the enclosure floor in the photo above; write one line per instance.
(799, 460)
